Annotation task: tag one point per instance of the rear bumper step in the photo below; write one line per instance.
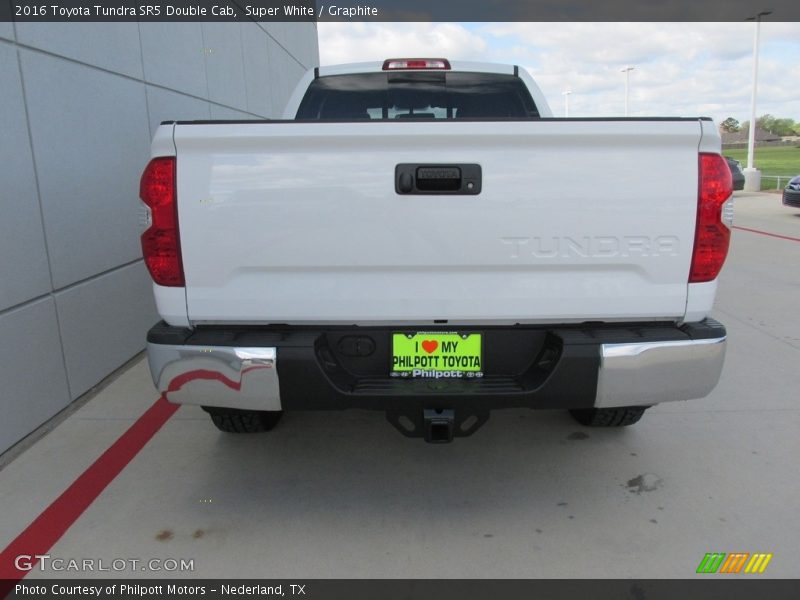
(273, 368)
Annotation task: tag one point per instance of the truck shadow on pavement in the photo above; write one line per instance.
(353, 464)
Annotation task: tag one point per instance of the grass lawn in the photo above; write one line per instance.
(774, 160)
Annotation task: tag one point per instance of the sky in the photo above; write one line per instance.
(680, 69)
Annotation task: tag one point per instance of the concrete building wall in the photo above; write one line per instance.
(79, 103)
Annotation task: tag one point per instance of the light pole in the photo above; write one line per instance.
(752, 176)
(566, 94)
(627, 71)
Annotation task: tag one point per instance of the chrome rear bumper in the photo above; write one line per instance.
(222, 376)
(628, 374)
(648, 373)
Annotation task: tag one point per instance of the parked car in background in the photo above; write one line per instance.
(736, 171)
(791, 193)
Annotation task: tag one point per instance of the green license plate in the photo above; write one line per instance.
(437, 355)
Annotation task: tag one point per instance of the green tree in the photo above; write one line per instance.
(766, 122)
(771, 124)
(783, 127)
(730, 125)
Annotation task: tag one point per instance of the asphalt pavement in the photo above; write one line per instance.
(532, 494)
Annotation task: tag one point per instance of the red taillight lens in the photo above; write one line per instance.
(392, 64)
(712, 236)
(161, 246)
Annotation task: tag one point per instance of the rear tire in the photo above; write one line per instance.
(608, 417)
(232, 420)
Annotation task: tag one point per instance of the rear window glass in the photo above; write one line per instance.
(417, 95)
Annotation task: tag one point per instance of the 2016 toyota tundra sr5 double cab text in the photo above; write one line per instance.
(423, 238)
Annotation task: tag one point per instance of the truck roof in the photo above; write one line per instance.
(377, 67)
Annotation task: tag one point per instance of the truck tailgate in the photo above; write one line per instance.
(577, 220)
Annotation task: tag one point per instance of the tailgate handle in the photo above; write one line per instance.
(427, 179)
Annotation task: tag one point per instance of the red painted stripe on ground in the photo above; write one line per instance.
(775, 235)
(57, 518)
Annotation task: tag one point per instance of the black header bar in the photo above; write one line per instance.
(397, 10)
(708, 587)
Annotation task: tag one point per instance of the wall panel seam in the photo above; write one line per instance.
(244, 68)
(52, 293)
(41, 210)
(144, 75)
(274, 39)
(128, 77)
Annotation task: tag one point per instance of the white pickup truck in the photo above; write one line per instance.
(422, 237)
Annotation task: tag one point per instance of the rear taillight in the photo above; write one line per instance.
(712, 236)
(393, 64)
(161, 246)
